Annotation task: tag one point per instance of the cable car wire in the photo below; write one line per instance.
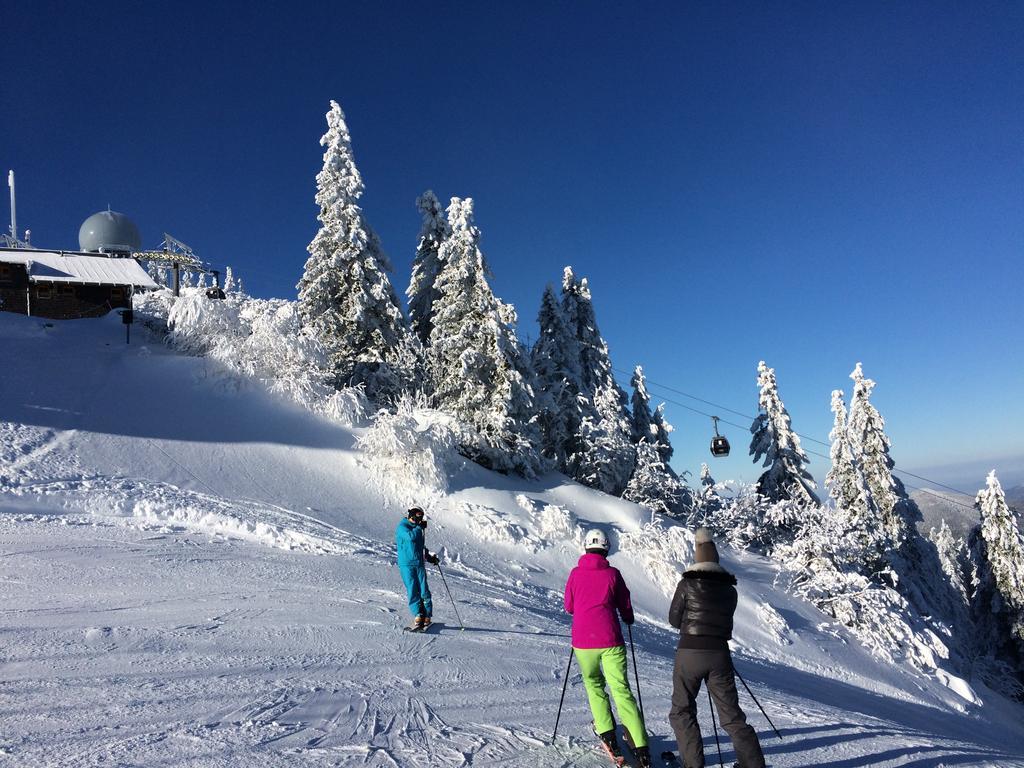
(718, 406)
(811, 439)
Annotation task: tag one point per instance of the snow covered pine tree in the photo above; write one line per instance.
(870, 448)
(426, 265)
(856, 516)
(647, 426)
(775, 442)
(345, 295)
(953, 557)
(605, 455)
(997, 554)
(654, 484)
(556, 382)
(477, 366)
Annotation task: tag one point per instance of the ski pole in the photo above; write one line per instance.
(445, 581)
(636, 676)
(565, 682)
(714, 723)
(756, 701)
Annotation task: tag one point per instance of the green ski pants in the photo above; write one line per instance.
(601, 665)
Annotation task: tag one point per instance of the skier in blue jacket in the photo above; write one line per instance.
(412, 552)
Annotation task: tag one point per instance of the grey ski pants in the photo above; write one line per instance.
(693, 666)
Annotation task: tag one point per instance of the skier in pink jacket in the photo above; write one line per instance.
(596, 596)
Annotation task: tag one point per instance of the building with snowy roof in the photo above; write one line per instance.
(99, 277)
(67, 284)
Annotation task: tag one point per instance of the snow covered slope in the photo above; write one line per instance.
(194, 573)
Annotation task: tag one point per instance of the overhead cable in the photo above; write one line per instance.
(720, 407)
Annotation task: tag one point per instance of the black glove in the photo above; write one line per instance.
(430, 558)
(423, 524)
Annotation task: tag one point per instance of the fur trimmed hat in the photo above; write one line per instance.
(706, 551)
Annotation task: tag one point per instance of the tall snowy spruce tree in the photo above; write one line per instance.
(654, 483)
(345, 295)
(952, 555)
(426, 265)
(605, 455)
(870, 448)
(997, 555)
(478, 368)
(649, 426)
(856, 513)
(556, 371)
(774, 441)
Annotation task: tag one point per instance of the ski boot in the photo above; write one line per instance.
(611, 746)
(643, 754)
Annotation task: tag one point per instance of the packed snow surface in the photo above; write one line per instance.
(196, 573)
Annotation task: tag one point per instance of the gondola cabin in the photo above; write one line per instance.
(719, 445)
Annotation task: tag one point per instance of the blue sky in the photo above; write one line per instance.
(811, 184)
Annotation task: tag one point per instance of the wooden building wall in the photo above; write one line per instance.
(59, 301)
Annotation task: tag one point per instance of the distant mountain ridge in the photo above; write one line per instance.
(957, 509)
(1015, 498)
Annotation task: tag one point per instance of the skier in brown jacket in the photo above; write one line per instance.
(702, 611)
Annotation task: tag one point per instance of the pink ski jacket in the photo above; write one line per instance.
(594, 592)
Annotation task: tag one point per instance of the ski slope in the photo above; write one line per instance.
(195, 573)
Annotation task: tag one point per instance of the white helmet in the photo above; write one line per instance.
(595, 539)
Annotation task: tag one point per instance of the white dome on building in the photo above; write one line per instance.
(109, 231)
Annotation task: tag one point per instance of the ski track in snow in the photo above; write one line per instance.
(151, 613)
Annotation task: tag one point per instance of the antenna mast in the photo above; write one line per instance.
(14, 213)
(11, 240)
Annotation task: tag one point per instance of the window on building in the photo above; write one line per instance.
(66, 290)
(117, 293)
(6, 273)
(44, 291)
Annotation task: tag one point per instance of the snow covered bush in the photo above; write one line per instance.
(254, 340)
(414, 447)
(998, 675)
(748, 520)
(554, 523)
(823, 566)
(883, 621)
(707, 502)
(655, 486)
(662, 548)
(200, 326)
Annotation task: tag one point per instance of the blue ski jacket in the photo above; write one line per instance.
(409, 541)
